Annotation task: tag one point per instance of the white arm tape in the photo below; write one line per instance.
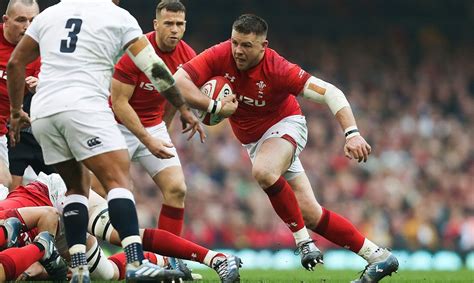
(143, 55)
(323, 92)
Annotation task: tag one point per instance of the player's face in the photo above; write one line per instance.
(169, 27)
(18, 20)
(247, 49)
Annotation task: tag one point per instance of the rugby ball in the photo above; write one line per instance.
(216, 88)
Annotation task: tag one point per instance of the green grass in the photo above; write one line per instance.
(327, 276)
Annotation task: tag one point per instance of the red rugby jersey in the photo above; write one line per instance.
(6, 49)
(33, 194)
(146, 101)
(266, 93)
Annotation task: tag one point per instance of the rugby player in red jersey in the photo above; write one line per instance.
(270, 125)
(14, 260)
(29, 218)
(16, 20)
(144, 114)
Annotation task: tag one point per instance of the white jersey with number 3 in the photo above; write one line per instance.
(79, 42)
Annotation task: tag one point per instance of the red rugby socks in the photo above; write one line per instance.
(285, 204)
(171, 219)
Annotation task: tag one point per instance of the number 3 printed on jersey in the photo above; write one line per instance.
(69, 45)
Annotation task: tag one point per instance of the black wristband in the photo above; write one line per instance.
(351, 132)
(214, 107)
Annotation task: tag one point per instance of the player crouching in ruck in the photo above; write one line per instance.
(274, 132)
(48, 192)
(19, 226)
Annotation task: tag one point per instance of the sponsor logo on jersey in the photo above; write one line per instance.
(250, 101)
(94, 142)
(3, 74)
(147, 86)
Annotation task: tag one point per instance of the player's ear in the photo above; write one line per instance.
(4, 18)
(265, 43)
(155, 24)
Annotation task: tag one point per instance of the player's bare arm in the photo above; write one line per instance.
(356, 146)
(25, 52)
(143, 55)
(168, 116)
(121, 94)
(320, 91)
(188, 119)
(195, 99)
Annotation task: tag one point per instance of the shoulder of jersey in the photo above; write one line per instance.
(186, 46)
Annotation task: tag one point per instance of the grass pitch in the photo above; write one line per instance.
(328, 276)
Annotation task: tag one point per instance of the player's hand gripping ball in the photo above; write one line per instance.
(216, 88)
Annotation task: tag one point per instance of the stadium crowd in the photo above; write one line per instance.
(413, 96)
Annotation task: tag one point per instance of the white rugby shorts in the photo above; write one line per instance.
(4, 151)
(293, 126)
(77, 134)
(140, 153)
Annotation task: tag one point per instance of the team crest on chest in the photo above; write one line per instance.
(261, 85)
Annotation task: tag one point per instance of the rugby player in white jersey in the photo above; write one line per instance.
(78, 41)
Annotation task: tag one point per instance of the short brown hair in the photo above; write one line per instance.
(250, 23)
(170, 5)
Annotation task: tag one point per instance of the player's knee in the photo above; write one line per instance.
(175, 193)
(50, 213)
(264, 176)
